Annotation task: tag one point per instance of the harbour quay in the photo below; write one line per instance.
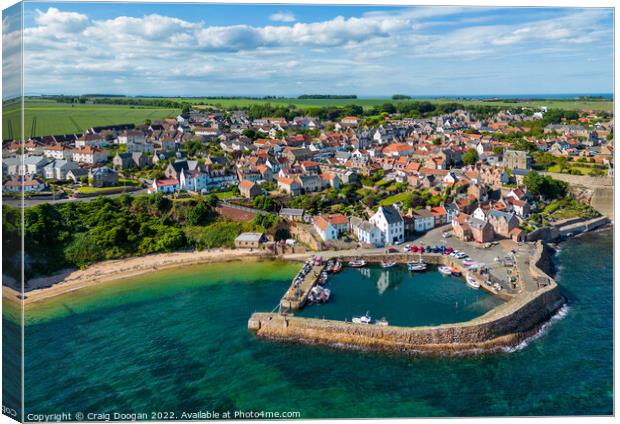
(524, 311)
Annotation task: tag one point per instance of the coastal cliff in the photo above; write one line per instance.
(503, 327)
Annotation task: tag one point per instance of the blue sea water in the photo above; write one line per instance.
(177, 342)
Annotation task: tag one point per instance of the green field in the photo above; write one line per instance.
(53, 118)
(400, 197)
(47, 117)
(368, 103)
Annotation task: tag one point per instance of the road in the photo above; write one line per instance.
(33, 202)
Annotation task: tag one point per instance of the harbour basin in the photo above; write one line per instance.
(402, 297)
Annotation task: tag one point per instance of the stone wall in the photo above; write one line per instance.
(504, 326)
(597, 192)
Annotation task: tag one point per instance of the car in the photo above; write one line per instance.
(379, 245)
(392, 250)
(414, 249)
(406, 249)
(446, 234)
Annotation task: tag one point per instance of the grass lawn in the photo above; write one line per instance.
(51, 118)
(225, 195)
(584, 169)
(394, 199)
(102, 190)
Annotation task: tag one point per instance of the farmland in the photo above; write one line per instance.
(61, 118)
(569, 104)
(47, 117)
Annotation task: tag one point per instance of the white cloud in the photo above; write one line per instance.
(55, 20)
(283, 17)
(375, 51)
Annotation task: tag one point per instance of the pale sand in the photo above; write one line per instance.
(71, 280)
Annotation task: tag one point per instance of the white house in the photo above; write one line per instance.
(195, 180)
(164, 186)
(423, 220)
(329, 227)
(365, 231)
(479, 214)
(390, 223)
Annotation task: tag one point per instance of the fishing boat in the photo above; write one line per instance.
(445, 270)
(471, 282)
(319, 294)
(337, 266)
(330, 266)
(416, 266)
(455, 272)
(387, 264)
(366, 319)
(357, 263)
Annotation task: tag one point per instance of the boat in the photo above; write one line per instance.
(366, 319)
(337, 266)
(455, 272)
(387, 264)
(382, 322)
(497, 287)
(445, 270)
(319, 294)
(357, 263)
(416, 266)
(471, 282)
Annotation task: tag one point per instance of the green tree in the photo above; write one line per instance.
(470, 157)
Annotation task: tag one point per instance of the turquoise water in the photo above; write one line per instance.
(402, 297)
(175, 343)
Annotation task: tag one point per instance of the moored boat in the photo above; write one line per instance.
(337, 266)
(445, 270)
(357, 263)
(387, 264)
(416, 266)
(366, 319)
(471, 282)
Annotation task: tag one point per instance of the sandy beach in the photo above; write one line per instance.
(69, 280)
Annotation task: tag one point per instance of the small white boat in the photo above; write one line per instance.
(382, 322)
(387, 264)
(416, 266)
(445, 270)
(357, 263)
(366, 319)
(497, 287)
(471, 282)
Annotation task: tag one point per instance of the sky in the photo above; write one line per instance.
(288, 50)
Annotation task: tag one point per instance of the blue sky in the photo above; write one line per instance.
(198, 49)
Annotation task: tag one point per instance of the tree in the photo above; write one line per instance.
(470, 157)
(545, 186)
(199, 214)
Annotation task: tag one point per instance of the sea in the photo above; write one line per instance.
(176, 342)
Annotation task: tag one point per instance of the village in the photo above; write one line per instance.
(341, 183)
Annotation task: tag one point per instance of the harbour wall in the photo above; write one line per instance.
(503, 327)
(566, 227)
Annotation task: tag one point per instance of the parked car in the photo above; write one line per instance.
(392, 250)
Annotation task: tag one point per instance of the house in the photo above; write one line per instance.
(193, 180)
(90, 155)
(250, 240)
(76, 175)
(57, 151)
(289, 185)
(249, 189)
(58, 169)
(26, 184)
(298, 215)
(30, 165)
(329, 227)
(517, 159)
(130, 160)
(440, 215)
(310, 183)
(166, 186)
(502, 222)
(365, 231)
(481, 230)
(102, 176)
(390, 223)
(460, 227)
(423, 220)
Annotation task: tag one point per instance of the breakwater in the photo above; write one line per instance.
(503, 327)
